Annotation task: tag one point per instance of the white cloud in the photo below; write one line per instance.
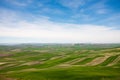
(54, 11)
(43, 29)
(73, 4)
(56, 31)
(20, 2)
(100, 7)
(112, 20)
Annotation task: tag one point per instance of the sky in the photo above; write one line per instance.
(59, 21)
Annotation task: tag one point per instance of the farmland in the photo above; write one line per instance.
(60, 62)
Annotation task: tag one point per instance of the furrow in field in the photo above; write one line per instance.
(97, 61)
(108, 60)
(77, 60)
(84, 61)
(115, 61)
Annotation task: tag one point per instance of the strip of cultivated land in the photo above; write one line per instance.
(60, 62)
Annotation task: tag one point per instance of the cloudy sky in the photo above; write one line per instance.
(59, 21)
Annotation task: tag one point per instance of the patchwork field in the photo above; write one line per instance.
(60, 62)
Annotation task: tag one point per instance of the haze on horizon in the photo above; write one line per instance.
(60, 21)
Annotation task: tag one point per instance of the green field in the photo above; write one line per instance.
(60, 62)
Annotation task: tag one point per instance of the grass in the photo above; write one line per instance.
(72, 73)
(85, 60)
(54, 58)
(109, 60)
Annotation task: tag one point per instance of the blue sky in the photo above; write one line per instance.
(59, 21)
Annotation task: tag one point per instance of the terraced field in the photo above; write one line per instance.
(60, 62)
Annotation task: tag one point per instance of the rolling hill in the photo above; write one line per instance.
(60, 62)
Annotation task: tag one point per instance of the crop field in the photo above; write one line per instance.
(60, 62)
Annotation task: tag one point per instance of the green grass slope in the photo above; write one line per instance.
(60, 62)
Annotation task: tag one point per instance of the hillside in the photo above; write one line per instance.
(60, 62)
